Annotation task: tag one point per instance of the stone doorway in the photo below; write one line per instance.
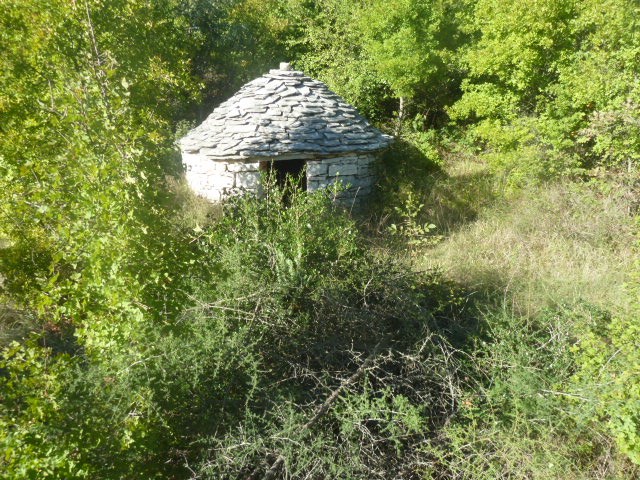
(287, 169)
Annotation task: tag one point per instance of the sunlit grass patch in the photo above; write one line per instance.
(544, 246)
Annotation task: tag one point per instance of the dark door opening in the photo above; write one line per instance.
(287, 172)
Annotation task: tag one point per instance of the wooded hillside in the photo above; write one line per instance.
(479, 320)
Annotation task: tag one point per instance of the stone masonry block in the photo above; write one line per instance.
(346, 180)
(365, 169)
(219, 180)
(320, 183)
(198, 163)
(248, 180)
(243, 167)
(348, 159)
(343, 169)
(317, 178)
(210, 194)
(362, 181)
(315, 169)
(218, 166)
(196, 180)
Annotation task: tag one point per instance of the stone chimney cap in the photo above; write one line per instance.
(285, 66)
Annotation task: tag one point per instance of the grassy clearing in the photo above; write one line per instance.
(541, 247)
(545, 264)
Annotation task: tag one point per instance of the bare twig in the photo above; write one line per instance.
(324, 408)
(565, 394)
(99, 72)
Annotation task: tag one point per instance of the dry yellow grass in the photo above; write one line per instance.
(560, 243)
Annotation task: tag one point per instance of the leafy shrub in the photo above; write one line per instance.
(73, 416)
(521, 417)
(551, 92)
(300, 279)
(414, 232)
(287, 300)
(609, 365)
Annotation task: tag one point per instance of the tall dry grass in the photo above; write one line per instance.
(565, 242)
(539, 259)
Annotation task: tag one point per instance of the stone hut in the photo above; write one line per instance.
(284, 122)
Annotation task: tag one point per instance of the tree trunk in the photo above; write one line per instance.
(400, 117)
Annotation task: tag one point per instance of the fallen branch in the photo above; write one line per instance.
(324, 408)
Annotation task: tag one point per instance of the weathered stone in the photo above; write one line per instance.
(289, 92)
(247, 180)
(243, 167)
(288, 101)
(280, 88)
(356, 136)
(343, 169)
(359, 182)
(271, 99)
(303, 146)
(241, 128)
(293, 156)
(343, 148)
(345, 180)
(279, 148)
(255, 109)
(317, 185)
(272, 115)
(221, 180)
(315, 169)
(208, 152)
(317, 122)
(224, 149)
(311, 135)
(365, 169)
(330, 135)
(264, 147)
(344, 159)
(274, 73)
(311, 110)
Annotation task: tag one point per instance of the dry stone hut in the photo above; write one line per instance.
(286, 122)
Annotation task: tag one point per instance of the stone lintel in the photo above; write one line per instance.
(243, 166)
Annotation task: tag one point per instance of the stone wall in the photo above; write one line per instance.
(355, 172)
(216, 180)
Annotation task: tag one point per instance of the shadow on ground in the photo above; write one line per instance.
(451, 195)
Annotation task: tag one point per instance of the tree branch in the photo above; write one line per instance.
(324, 408)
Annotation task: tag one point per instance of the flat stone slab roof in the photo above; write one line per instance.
(282, 113)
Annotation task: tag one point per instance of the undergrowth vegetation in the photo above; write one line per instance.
(479, 320)
(542, 246)
(552, 271)
(288, 311)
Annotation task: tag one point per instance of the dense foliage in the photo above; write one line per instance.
(143, 335)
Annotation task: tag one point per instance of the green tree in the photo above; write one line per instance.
(88, 95)
(552, 87)
(600, 85)
(86, 141)
(400, 44)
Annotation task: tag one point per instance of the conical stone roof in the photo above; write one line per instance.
(280, 114)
